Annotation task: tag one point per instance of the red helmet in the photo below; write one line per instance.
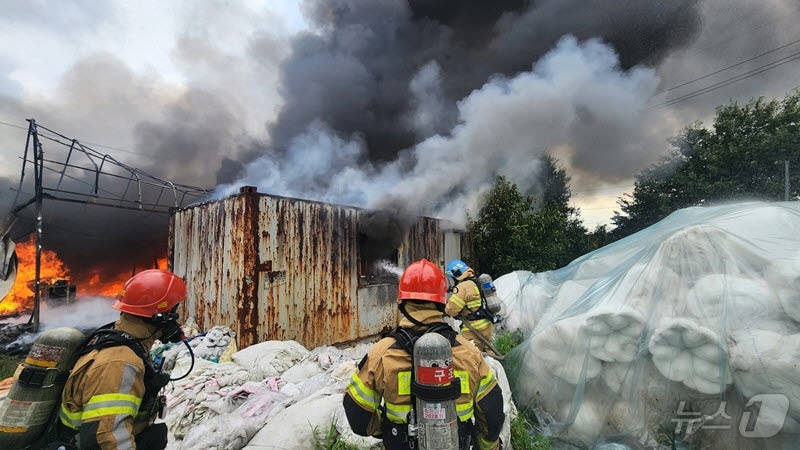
(422, 280)
(151, 292)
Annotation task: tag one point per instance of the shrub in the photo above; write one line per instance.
(524, 436)
(505, 340)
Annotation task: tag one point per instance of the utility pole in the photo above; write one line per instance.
(38, 167)
(786, 180)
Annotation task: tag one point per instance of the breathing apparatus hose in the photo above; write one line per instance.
(497, 354)
(191, 354)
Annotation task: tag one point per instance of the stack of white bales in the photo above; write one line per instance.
(701, 308)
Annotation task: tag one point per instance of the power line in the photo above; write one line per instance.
(731, 66)
(729, 81)
(13, 126)
(86, 142)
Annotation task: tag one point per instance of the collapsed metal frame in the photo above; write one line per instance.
(170, 195)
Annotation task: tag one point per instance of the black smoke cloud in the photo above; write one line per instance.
(384, 85)
(356, 75)
(379, 83)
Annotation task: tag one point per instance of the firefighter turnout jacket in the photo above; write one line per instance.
(463, 303)
(377, 399)
(106, 401)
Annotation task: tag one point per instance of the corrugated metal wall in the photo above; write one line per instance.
(276, 268)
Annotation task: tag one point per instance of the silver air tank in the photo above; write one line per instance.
(36, 392)
(486, 285)
(437, 422)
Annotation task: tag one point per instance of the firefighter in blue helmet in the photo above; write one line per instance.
(465, 304)
(377, 400)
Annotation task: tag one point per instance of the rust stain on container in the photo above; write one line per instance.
(277, 268)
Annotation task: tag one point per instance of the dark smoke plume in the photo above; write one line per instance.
(382, 87)
(357, 75)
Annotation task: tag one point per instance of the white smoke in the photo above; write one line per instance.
(386, 266)
(85, 314)
(575, 97)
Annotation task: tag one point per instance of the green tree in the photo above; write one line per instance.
(740, 158)
(500, 232)
(536, 232)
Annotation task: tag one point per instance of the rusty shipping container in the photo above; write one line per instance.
(277, 268)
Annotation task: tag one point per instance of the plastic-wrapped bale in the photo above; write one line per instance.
(512, 288)
(783, 274)
(662, 319)
(563, 350)
(766, 362)
(614, 334)
(684, 351)
(715, 296)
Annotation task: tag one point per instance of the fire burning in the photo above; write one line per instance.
(92, 282)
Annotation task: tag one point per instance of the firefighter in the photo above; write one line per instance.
(378, 398)
(111, 397)
(465, 304)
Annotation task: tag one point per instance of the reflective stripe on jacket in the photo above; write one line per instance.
(385, 373)
(465, 300)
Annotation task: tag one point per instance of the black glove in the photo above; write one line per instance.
(153, 437)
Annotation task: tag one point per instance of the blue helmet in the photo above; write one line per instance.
(456, 268)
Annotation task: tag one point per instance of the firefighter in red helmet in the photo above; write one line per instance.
(378, 398)
(111, 397)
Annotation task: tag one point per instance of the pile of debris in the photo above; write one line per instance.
(274, 394)
(16, 339)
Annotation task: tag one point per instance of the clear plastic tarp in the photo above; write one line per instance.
(683, 334)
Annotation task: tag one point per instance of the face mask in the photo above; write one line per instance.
(170, 330)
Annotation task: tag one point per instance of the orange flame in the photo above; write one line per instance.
(21, 296)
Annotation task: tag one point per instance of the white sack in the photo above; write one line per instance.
(270, 358)
(293, 428)
(509, 408)
(202, 395)
(347, 436)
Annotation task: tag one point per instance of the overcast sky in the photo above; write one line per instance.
(412, 105)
